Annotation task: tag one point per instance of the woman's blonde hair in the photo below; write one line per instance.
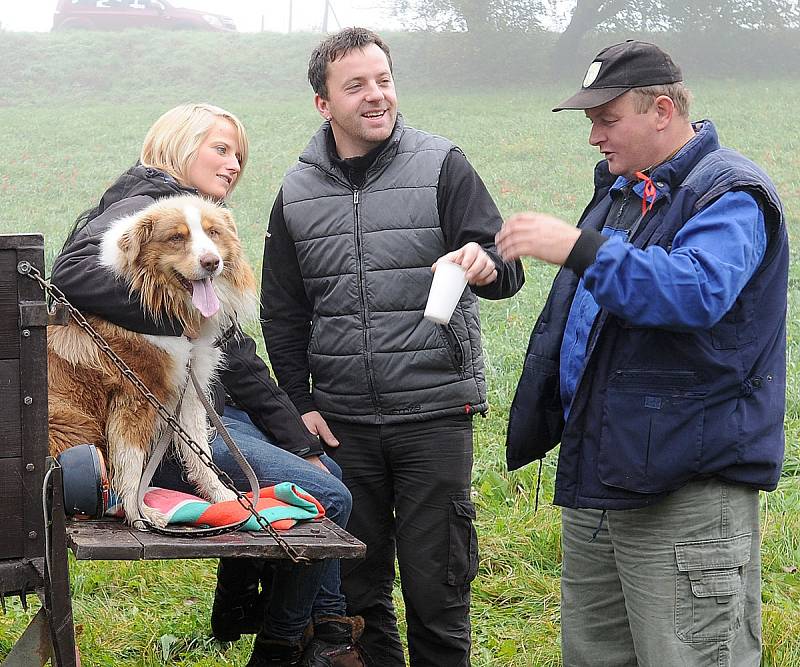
(173, 141)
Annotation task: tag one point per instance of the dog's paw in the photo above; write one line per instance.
(221, 494)
(158, 519)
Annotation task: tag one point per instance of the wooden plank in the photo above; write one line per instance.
(103, 540)
(111, 540)
(9, 331)
(11, 510)
(13, 241)
(33, 390)
(16, 575)
(158, 547)
(57, 599)
(349, 539)
(10, 409)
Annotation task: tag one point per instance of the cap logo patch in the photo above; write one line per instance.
(591, 73)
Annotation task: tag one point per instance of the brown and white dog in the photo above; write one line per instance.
(182, 257)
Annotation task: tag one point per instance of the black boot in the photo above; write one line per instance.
(335, 642)
(271, 652)
(238, 606)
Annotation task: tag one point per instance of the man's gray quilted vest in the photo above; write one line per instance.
(365, 257)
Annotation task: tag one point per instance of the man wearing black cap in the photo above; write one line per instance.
(659, 364)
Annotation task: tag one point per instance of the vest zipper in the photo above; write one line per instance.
(600, 318)
(454, 348)
(622, 207)
(363, 295)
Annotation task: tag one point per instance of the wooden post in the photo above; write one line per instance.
(58, 600)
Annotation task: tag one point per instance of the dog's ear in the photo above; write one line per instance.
(131, 242)
(226, 218)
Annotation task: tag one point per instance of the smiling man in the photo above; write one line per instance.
(659, 364)
(358, 224)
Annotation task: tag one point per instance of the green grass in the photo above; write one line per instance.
(63, 150)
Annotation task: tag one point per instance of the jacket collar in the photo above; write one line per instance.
(674, 171)
(140, 180)
(320, 151)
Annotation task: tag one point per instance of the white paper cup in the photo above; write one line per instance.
(449, 281)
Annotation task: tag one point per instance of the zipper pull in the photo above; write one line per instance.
(355, 196)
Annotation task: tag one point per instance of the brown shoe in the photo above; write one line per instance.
(335, 643)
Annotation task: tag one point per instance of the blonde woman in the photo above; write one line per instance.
(202, 149)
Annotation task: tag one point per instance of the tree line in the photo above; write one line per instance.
(574, 19)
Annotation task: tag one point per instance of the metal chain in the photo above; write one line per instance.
(27, 269)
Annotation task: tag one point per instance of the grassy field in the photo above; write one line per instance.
(62, 150)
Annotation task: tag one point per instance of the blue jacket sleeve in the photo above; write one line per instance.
(713, 256)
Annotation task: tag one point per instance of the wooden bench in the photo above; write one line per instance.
(111, 540)
(24, 567)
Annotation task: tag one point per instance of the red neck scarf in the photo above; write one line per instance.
(649, 193)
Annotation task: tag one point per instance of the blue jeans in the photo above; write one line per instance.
(298, 591)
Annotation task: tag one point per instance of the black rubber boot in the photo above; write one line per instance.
(273, 652)
(335, 642)
(238, 607)
(276, 653)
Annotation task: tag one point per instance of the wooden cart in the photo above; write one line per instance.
(33, 547)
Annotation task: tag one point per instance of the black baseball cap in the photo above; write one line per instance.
(618, 68)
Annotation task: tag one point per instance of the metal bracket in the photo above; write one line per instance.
(33, 314)
(58, 315)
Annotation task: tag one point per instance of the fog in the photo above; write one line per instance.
(724, 37)
(249, 15)
(75, 106)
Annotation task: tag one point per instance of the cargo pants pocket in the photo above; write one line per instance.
(709, 591)
(462, 559)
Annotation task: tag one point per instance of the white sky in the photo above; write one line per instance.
(37, 15)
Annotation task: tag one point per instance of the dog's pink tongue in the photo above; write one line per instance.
(204, 297)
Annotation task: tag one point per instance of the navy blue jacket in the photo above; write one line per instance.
(655, 408)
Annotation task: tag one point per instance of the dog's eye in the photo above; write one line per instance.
(212, 233)
(176, 238)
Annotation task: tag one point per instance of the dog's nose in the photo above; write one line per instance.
(209, 262)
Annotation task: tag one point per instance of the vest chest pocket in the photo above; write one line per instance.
(737, 328)
(731, 335)
(652, 434)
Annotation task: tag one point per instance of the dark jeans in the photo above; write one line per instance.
(297, 590)
(410, 485)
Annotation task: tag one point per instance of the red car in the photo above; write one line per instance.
(120, 14)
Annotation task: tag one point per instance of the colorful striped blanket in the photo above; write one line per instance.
(283, 505)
